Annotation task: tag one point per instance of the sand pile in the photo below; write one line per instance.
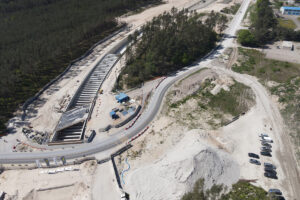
(176, 172)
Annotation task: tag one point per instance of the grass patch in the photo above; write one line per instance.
(232, 9)
(196, 72)
(289, 95)
(240, 190)
(253, 62)
(278, 4)
(228, 101)
(218, 107)
(245, 190)
(287, 23)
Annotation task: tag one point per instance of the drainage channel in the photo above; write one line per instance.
(83, 97)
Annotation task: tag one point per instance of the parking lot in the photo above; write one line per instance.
(242, 137)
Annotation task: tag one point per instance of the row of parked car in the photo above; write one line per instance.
(269, 169)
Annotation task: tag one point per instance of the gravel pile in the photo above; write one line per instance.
(177, 171)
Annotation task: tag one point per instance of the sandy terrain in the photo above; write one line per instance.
(37, 185)
(281, 54)
(104, 185)
(162, 154)
(176, 171)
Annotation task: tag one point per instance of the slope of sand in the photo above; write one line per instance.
(176, 172)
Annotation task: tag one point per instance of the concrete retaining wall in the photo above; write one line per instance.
(37, 95)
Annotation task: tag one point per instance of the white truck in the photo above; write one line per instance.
(267, 139)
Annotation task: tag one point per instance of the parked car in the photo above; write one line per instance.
(265, 144)
(272, 171)
(269, 165)
(263, 135)
(266, 139)
(269, 168)
(266, 149)
(270, 175)
(275, 191)
(265, 153)
(253, 161)
(253, 155)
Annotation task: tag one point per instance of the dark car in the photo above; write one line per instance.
(270, 175)
(269, 168)
(269, 165)
(253, 155)
(253, 161)
(266, 149)
(265, 153)
(272, 171)
(275, 191)
(267, 145)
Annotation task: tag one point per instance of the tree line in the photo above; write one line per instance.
(265, 27)
(39, 38)
(169, 42)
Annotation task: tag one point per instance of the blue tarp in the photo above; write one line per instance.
(122, 97)
(113, 114)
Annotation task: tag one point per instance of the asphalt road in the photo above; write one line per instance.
(147, 116)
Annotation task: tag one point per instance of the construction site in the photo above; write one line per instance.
(81, 138)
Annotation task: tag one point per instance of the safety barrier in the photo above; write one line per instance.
(138, 135)
(133, 122)
(160, 82)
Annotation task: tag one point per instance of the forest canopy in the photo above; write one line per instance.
(39, 38)
(169, 42)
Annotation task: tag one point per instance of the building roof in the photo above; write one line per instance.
(290, 8)
(122, 96)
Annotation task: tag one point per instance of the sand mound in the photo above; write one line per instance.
(176, 172)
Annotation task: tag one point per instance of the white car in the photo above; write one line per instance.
(267, 139)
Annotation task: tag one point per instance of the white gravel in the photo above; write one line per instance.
(178, 169)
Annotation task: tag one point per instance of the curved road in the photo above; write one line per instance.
(147, 116)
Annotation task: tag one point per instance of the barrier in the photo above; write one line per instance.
(129, 118)
(160, 82)
(128, 146)
(133, 122)
(138, 135)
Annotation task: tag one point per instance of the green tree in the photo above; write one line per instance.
(169, 42)
(246, 38)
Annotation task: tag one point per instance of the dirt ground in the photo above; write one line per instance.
(277, 52)
(151, 152)
(104, 186)
(160, 154)
(37, 184)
